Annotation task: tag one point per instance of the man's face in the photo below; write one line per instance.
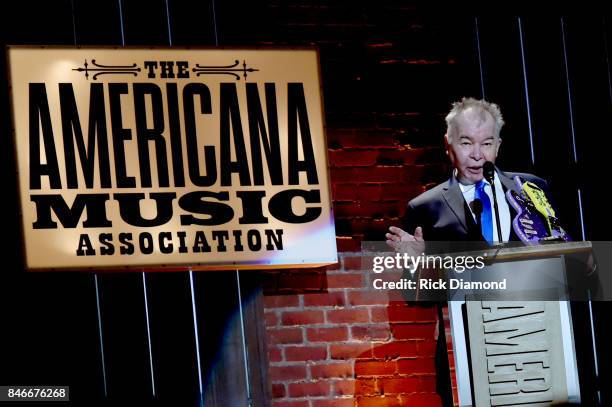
(472, 144)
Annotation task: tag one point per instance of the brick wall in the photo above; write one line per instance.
(346, 346)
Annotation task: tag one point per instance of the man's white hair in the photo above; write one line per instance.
(482, 105)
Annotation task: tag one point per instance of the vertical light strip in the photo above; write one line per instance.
(482, 88)
(581, 215)
(520, 27)
(245, 352)
(100, 333)
(197, 340)
(571, 114)
(121, 22)
(146, 302)
(569, 90)
(168, 20)
(214, 15)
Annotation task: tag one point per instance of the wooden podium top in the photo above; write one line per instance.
(504, 253)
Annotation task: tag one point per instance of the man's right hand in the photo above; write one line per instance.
(403, 242)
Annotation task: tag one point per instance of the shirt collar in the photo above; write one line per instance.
(466, 188)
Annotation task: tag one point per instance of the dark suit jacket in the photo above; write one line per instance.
(445, 217)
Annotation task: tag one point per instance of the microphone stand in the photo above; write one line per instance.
(500, 240)
(488, 170)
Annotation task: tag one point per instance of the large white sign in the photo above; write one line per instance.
(171, 158)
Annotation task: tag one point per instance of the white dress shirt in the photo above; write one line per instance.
(504, 210)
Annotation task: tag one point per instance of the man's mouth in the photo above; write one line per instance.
(474, 170)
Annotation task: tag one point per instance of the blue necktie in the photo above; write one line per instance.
(486, 216)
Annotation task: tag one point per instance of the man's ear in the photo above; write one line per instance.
(446, 143)
(499, 140)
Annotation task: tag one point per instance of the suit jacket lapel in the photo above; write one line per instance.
(454, 199)
(507, 181)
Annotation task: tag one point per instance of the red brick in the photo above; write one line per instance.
(379, 314)
(411, 173)
(400, 385)
(414, 366)
(281, 301)
(401, 314)
(301, 403)
(344, 387)
(363, 138)
(324, 299)
(334, 334)
(275, 354)
(422, 400)
(345, 280)
(378, 402)
(395, 350)
(426, 349)
(285, 335)
(386, 209)
(367, 387)
(371, 332)
(283, 373)
(302, 317)
(428, 384)
(346, 244)
(357, 263)
(271, 319)
(278, 391)
(413, 331)
(309, 389)
(374, 368)
(335, 402)
(370, 192)
(301, 281)
(403, 192)
(369, 209)
(380, 173)
(353, 158)
(368, 298)
(331, 370)
(348, 316)
(303, 353)
(370, 225)
(344, 192)
(399, 156)
(425, 314)
(342, 175)
(351, 351)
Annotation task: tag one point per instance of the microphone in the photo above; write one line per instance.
(476, 207)
(488, 170)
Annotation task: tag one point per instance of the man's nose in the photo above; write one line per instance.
(476, 152)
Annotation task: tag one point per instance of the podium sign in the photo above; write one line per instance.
(516, 353)
(521, 343)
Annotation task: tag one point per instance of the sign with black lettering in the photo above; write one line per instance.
(170, 158)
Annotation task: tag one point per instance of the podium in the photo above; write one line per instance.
(519, 348)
